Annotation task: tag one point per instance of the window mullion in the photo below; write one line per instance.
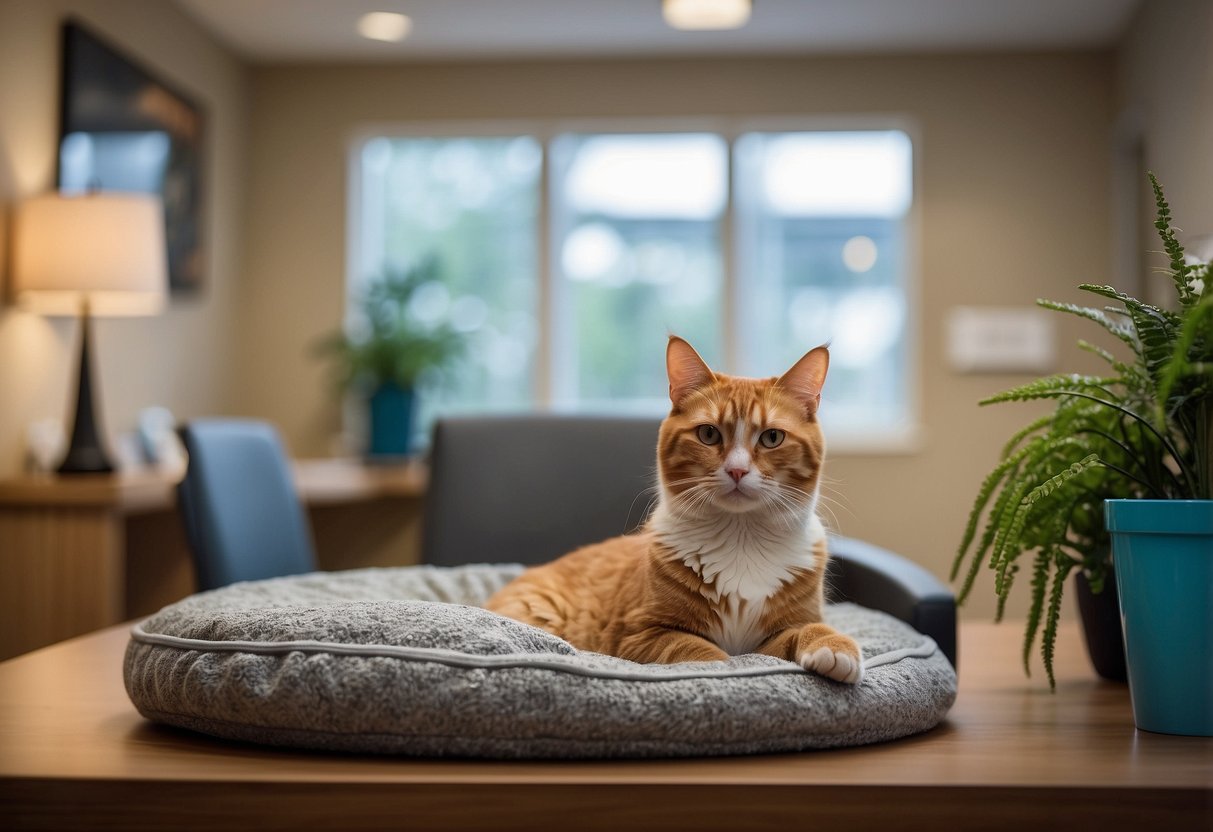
(545, 350)
(732, 315)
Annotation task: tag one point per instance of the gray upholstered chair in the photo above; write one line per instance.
(242, 516)
(527, 489)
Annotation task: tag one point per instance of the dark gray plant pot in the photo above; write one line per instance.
(1100, 615)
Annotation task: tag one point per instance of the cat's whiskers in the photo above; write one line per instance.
(785, 506)
(796, 511)
(654, 489)
(826, 503)
(705, 498)
(833, 497)
(691, 500)
(770, 500)
(657, 488)
(680, 502)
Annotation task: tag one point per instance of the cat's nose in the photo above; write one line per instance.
(736, 473)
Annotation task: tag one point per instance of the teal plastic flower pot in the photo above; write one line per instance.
(391, 410)
(1163, 552)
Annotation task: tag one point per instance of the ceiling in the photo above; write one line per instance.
(277, 31)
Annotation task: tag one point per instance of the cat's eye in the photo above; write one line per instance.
(709, 434)
(771, 438)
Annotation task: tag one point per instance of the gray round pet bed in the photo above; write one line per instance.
(401, 661)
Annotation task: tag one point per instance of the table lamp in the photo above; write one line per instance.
(95, 254)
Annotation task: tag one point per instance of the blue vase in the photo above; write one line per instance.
(1163, 552)
(391, 409)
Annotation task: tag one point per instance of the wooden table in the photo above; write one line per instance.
(83, 552)
(75, 754)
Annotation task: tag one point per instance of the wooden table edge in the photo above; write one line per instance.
(32, 803)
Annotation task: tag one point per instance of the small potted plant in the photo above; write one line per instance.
(1138, 443)
(396, 338)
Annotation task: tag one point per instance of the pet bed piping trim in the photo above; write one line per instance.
(454, 658)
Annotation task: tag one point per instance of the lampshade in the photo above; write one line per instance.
(106, 247)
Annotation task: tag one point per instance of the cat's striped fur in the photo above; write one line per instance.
(733, 557)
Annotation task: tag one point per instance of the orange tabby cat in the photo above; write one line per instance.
(731, 560)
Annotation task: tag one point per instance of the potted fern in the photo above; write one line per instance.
(1142, 432)
(396, 338)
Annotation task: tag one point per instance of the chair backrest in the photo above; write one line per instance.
(528, 489)
(242, 516)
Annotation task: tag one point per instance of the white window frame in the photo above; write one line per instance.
(907, 439)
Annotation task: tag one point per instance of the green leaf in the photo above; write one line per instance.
(1049, 638)
(983, 496)
(1009, 549)
(1180, 270)
(1022, 434)
(1122, 331)
(1131, 303)
(1051, 386)
(1126, 371)
(1040, 581)
(1179, 365)
(1154, 328)
(389, 344)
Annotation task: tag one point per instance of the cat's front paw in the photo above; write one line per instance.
(836, 658)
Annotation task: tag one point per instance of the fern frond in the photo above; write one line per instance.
(1040, 582)
(1048, 639)
(1127, 371)
(1023, 433)
(1121, 330)
(1008, 551)
(1006, 591)
(979, 504)
(1180, 270)
(1178, 364)
(1009, 524)
(1096, 581)
(1131, 303)
(1142, 421)
(1154, 328)
(1055, 482)
(1050, 386)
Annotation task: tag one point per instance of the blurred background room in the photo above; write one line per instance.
(504, 206)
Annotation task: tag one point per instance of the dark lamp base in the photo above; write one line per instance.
(85, 461)
(86, 452)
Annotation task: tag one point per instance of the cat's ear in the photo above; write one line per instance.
(806, 377)
(687, 371)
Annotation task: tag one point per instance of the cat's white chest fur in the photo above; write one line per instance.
(738, 627)
(741, 556)
(744, 560)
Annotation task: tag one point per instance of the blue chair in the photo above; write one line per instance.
(242, 516)
(527, 489)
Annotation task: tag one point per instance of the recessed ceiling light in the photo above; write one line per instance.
(706, 14)
(385, 26)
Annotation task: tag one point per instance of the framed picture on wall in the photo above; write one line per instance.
(123, 129)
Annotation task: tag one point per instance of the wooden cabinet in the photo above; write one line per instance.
(85, 552)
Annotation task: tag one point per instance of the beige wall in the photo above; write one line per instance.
(181, 359)
(1014, 163)
(1014, 158)
(1166, 94)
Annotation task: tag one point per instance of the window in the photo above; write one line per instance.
(469, 205)
(821, 222)
(568, 255)
(636, 222)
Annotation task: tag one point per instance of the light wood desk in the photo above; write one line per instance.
(75, 754)
(84, 552)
